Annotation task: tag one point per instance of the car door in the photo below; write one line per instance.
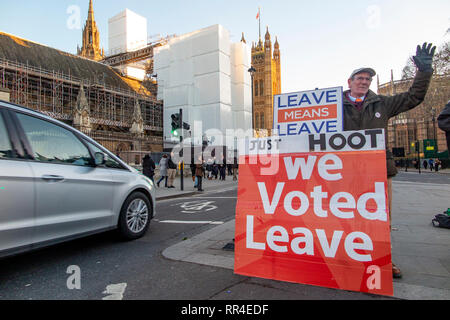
(16, 192)
(73, 197)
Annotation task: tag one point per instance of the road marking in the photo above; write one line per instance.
(420, 183)
(191, 222)
(115, 291)
(215, 197)
(197, 206)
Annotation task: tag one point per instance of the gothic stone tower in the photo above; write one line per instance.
(267, 81)
(91, 38)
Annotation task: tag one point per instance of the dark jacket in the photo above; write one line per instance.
(444, 123)
(148, 166)
(444, 118)
(378, 109)
(199, 170)
(171, 164)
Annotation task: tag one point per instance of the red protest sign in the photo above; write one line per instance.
(318, 218)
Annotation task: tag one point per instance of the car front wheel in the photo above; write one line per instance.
(135, 216)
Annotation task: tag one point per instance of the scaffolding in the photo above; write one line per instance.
(111, 108)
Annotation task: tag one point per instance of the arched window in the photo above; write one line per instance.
(261, 87)
(262, 121)
(256, 121)
(256, 88)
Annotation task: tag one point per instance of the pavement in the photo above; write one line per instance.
(420, 250)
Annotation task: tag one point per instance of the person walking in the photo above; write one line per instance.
(163, 170)
(192, 166)
(364, 109)
(199, 174)
(215, 169)
(230, 169)
(437, 162)
(148, 167)
(209, 166)
(425, 164)
(431, 163)
(235, 169)
(172, 171)
(222, 169)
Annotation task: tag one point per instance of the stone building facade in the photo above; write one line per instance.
(266, 82)
(420, 123)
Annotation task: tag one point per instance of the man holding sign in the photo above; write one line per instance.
(313, 204)
(363, 109)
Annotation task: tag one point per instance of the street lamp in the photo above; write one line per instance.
(433, 113)
(252, 71)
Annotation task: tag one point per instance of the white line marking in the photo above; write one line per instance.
(191, 222)
(115, 291)
(215, 197)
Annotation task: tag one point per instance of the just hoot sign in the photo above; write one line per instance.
(313, 209)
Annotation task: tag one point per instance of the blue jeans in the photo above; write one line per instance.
(162, 179)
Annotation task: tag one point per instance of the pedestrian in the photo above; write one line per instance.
(437, 162)
(215, 169)
(199, 174)
(192, 166)
(235, 169)
(222, 168)
(171, 171)
(425, 164)
(163, 170)
(204, 169)
(364, 109)
(444, 123)
(148, 167)
(209, 166)
(431, 163)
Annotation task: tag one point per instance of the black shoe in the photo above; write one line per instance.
(201, 190)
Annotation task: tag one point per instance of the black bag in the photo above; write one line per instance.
(441, 220)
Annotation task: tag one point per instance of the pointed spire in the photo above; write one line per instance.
(91, 11)
(276, 45)
(267, 33)
(392, 83)
(243, 39)
(91, 38)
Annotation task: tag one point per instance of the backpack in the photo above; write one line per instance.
(441, 220)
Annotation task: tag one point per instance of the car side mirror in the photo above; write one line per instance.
(99, 159)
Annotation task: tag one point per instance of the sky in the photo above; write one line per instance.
(321, 42)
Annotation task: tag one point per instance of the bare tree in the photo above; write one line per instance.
(409, 71)
(441, 63)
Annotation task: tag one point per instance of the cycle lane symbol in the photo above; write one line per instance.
(197, 206)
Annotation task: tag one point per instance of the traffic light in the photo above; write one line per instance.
(175, 123)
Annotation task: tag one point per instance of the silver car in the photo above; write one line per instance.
(57, 184)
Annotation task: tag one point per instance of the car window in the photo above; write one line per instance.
(5, 145)
(52, 143)
(109, 162)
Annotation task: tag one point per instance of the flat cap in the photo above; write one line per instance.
(368, 70)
